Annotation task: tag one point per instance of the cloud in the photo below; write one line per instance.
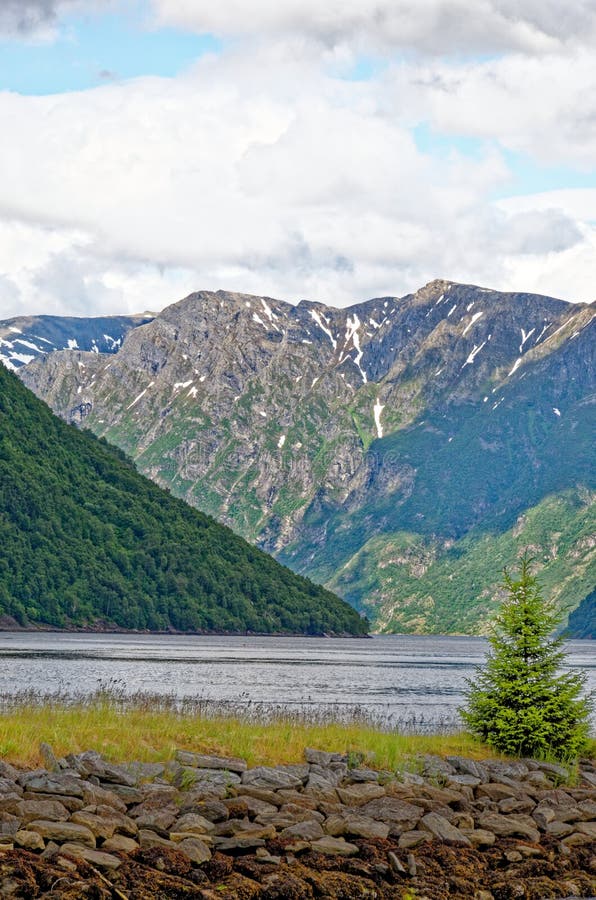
(437, 27)
(22, 17)
(261, 169)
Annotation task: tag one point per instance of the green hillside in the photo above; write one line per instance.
(85, 539)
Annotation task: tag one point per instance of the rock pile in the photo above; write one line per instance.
(206, 827)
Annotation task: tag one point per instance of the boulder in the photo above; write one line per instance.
(506, 826)
(61, 832)
(442, 829)
(359, 794)
(332, 846)
(272, 778)
(201, 761)
(98, 858)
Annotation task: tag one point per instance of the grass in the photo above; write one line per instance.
(150, 730)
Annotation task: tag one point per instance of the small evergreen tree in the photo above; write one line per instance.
(521, 704)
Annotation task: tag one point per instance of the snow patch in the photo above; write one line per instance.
(352, 326)
(202, 378)
(473, 354)
(180, 385)
(516, 366)
(377, 410)
(261, 413)
(281, 441)
(319, 320)
(556, 411)
(193, 392)
(525, 337)
(72, 344)
(453, 308)
(474, 318)
(142, 394)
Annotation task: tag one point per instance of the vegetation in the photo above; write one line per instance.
(150, 729)
(87, 539)
(521, 703)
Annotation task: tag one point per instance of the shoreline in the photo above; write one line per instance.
(202, 826)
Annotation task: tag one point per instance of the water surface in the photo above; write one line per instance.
(415, 681)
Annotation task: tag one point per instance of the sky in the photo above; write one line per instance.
(331, 151)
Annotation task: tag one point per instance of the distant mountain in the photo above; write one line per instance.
(88, 541)
(24, 338)
(401, 450)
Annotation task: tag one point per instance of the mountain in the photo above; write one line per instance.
(88, 541)
(401, 450)
(24, 338)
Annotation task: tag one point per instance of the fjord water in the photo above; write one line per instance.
(412, 682)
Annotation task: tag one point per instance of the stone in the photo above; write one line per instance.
(332, 846)
(195, 824)
(395, 864)
(457, 781)
(196, 850)
(323, 758)
(410, 839)
(305, 831)
(479, 837)
(100, 826)
(29, 840)
(442, 829)
(404, 816)
(119, 843)
(468, 767)
(356, 776)
(577, 839)
(52, 810)
(359, 794)
(62, 832)
(274, 778)
(241, 842)
(264, 794)
(513, 769)
(50, 783)
(511, 805)
(94, 795)
(497, 791)
(588, 828)
(213, 810)
(128, 795)
(436, 767)
(201, 761)
(98, 858)
(148, 838)
(365, 827)
(49, 759)
(506, 826)
(258, 807)
(186, 776)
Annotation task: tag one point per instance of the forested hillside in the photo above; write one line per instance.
(87, 540)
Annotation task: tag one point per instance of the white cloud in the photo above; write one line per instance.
(261, 170)
(428, 26)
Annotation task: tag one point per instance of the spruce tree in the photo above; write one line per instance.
(521, 703)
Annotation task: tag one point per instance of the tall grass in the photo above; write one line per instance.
(150, 728)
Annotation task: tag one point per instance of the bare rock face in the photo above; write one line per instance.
(355, 444)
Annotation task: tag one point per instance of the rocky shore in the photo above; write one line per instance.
(210, 827)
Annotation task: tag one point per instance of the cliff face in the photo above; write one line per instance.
(360, 445)
(24, 338)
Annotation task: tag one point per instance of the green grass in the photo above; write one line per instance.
(152, 735)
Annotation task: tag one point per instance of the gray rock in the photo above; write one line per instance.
(393, 812)
(62, 832)
(323, 758)
(201, 761)
(49, 759)
(272, 778)
(331, 846)
(51, 810)
(359, 794)
(242, 842)
(506, 826)
(196, 850)
(442, 829)
(410, 839)
(305, 831)
(42, 782)
(98, 858)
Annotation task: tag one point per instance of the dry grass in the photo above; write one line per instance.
(142, 734)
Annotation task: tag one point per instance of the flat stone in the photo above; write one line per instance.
(264, 794)
(442, 829)
(100, 826)
(196, 850)
(436, 766)
(29, 840)
(148, 838)
(323, 758)
(98, 858)
(357, 776)
(465, 766)
(63, 831)
(588, 828)
(332, 846)
(394, 812)
(72, 804)
(49, 783)
(258, 807)
(93, 764)
(463, 781)
(577, 839)
(231, 844)
(505, 826)
(51, 810)
(94, 795)
(497, 791)
(119, 843)
(513, 769)
(304, 831)
(201, 761)
(195, 824)
(128, 795)
(359, 794)
(187, 776)
(479, 837)
(273, 778)
(410, 839)
(365, 827)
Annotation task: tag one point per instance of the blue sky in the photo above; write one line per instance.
(154, 147)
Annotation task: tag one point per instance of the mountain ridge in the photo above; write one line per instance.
(312, 430)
